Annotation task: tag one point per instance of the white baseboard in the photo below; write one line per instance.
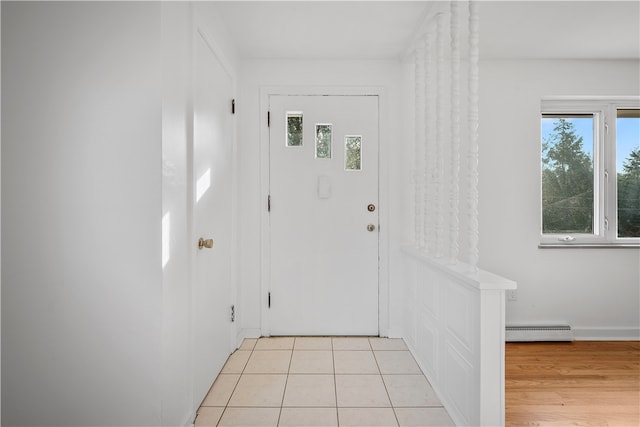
(392, 333)
(607, 334)
(247, 333)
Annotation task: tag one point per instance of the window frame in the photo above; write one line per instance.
(605, 213)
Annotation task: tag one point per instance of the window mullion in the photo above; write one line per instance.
(604, 172)
(609, 164)
(600, 177)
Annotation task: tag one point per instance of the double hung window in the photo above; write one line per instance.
(590, 171)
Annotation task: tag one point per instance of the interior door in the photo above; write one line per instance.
(212, 175)
(323, 169)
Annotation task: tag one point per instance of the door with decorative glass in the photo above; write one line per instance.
(323, 179)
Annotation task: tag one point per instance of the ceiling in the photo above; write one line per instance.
(385, 29)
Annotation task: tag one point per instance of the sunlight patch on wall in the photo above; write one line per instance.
(203, 184)
(166, 238)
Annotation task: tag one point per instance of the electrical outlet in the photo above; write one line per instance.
(512, 295)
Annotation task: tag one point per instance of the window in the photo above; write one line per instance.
(628, 172)
(590, 172)
(324, 139)
(294, 128)
(353, 152)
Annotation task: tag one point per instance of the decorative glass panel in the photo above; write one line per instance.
(324, 139)
(352, 152)
(294, 129)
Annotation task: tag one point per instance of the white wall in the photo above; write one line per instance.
(81, 199)
(255, 74)
(177, 390)
(594, 290)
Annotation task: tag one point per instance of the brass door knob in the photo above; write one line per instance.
(371, 227)
(202, 243)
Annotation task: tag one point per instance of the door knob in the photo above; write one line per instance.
(202, 243)
(371, 227)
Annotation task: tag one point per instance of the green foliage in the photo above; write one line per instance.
(567, 186)
(629, 196)
(352, 153)
(323, 141)
(567, 182)
(294, 130)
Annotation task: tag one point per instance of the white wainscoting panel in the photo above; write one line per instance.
(455, 326)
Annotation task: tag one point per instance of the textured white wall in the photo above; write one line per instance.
(81, 162)
(255, 74)
(594, 290)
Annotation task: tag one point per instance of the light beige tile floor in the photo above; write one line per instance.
(324, 381)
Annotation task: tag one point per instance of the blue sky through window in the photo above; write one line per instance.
(628, 135)
(583, 127)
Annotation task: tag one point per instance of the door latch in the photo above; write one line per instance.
(202, 243)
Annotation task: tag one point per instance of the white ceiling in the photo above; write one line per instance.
(560, 29)
(385, 29)
(322, 30)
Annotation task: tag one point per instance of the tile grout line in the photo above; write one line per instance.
(286, 381)
(335, 381)
(384, 384)
(237, 382)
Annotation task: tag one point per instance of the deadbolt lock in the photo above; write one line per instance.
(371, 207)
(202, 243)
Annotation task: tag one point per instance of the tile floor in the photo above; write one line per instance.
(324, 381)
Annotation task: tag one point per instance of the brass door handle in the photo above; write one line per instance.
(202, 243)
(371, 227)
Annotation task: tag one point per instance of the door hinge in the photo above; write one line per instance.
(233, 313)
(233, 106)
(269, 203)
(606, 223)
(268, 118)
(269, 300)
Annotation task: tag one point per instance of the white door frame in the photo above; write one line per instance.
(383, 188)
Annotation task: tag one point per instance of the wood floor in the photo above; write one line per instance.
(584, 383)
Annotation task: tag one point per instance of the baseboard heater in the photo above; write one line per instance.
(539, 333)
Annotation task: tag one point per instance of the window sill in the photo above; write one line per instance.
(589, 245)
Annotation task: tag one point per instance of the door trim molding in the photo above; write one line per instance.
(383, 189)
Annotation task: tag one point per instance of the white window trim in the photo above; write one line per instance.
(605, 224)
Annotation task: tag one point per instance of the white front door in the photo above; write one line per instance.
(212, 175)
(324, 215)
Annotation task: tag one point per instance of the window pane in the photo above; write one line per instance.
(323, 141)
(294, 129)
(567, 173)
(352, 150)
(628, 172)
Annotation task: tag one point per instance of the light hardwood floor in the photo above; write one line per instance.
(583, 383)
